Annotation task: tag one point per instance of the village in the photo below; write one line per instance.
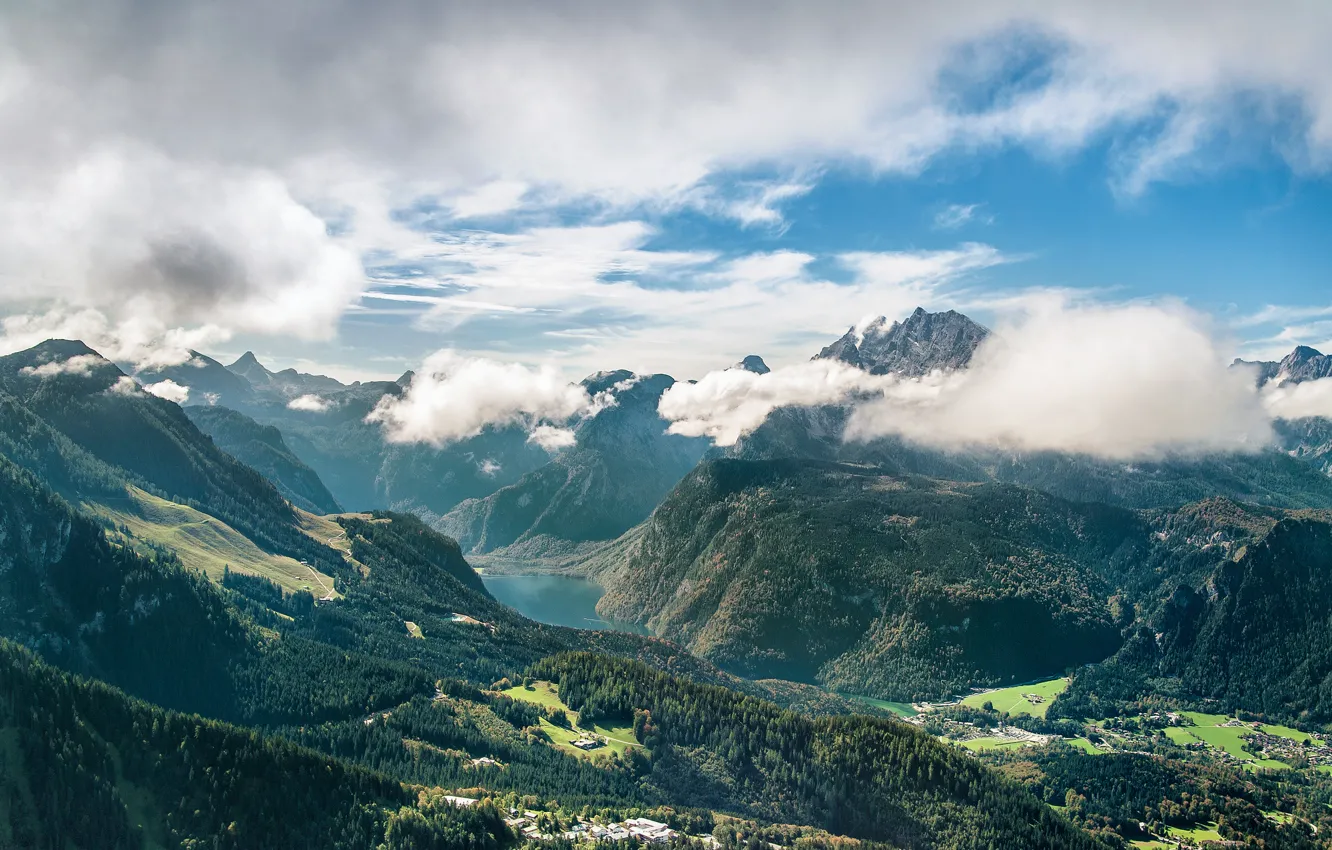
(547, 826)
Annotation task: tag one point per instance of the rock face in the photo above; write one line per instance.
(1302, 364)
(920, 344)
(753, 363)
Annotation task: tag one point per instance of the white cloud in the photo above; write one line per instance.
(309, 403)
(125, 189)
(619, 303)
(1296, 401)
(488, 468)
(169, 390)
(492, 198)
(1118, 381)
(79, 364)
(728, 404)
(954, 216)
(552, 438)
(125, 385)
(454, 397)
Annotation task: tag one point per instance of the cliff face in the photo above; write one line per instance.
(920, 344)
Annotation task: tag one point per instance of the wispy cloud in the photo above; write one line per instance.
(954, 216)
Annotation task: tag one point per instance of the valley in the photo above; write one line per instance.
(902, 648)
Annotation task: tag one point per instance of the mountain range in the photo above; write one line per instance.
(360, 657)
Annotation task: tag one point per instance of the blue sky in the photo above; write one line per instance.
(660, 187)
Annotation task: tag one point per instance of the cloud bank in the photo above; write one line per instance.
(1122, 381)
(453, 397)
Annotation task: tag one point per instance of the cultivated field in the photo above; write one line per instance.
(618, 737)
(1033, 699)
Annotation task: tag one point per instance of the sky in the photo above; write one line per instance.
(355, 189)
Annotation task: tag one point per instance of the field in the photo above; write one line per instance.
(1015, 700)
(205, 543)
(978, 744)
(1198, 833)
(1083, 744)
(619, 737)
(1230, 739)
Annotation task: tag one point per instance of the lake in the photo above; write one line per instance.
(557, 600)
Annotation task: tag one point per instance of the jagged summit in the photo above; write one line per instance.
(1304, 363)
(753, 363)
(247, 364)
(920, 344)
(405, 379)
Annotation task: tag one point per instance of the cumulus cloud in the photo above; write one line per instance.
(552, 438)
(169, 390)
(125, 385)
(125, 189)
(1118, 381)
(453, 397)
(728, 404)
(310, 403)
(80, 364)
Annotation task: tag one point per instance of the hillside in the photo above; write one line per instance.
(1253, 633)
(145, 441)
(854, 776)
(907, 586)
(85, 766)
(622, 463)
(262, 448)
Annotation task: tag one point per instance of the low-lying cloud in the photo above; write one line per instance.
(1297, 401)
(169, 390)
(1122, 381)
(728, 404)
(309, 403)
(80, 364)
(453, 397)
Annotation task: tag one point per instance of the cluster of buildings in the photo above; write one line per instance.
(647, 831)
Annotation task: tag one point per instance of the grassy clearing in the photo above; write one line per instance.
(978, 744)
(901, 709)
(1151, 844)
(1230, 739)
(1083, 744)
(413, 630)
(1015, 700)
(205, 543)
(544, 694)
(1290, 733)
(619, 737)
(1195, 833)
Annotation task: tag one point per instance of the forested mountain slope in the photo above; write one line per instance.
(855, 776)
(905, 585)
(262, 448)
(146, 441)
(85, 766)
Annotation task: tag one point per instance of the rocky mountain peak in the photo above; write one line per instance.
(753, 363)
(248, 366)
(915, 346)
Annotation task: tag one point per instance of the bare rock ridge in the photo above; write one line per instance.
(913, 347)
